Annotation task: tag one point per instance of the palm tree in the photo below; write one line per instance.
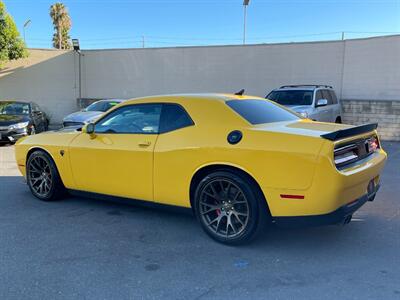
(62, 25)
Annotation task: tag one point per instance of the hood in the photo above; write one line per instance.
(83, 116)
(7, 120)
(303, 127)
(298, 108)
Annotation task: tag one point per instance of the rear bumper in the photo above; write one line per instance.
(339, 216)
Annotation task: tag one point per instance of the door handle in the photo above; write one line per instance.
(144, 144)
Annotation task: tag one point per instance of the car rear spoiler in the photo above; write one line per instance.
(344, 133)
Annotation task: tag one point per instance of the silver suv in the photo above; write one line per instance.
(316, 102)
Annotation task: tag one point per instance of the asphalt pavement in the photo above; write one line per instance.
(89, 249)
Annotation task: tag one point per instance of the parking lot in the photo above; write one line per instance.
(82, 248)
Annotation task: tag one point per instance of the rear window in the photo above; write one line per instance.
(292, 97)
(260, 111)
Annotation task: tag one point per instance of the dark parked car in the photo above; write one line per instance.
(18, 119)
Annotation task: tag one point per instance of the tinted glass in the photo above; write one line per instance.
(334, 98)
(109, 104)
(260, 111)
(293, 97)
(318, 96)
(327, 96)
(35, 107)
(139, 118)
(173, 117)
(14, 108)
(96, 106)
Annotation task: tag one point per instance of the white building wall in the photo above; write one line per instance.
(46, 77)
(372, 69)
(258, 69)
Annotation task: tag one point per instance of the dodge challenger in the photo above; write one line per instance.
(238, 162)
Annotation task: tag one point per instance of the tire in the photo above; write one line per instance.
(233, 212)
(338, 120)
(43, 178)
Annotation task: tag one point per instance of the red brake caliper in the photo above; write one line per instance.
(218, 211)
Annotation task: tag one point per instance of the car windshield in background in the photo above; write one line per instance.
(260, 111)
(293, 97)
(101, 106)
(14, 108)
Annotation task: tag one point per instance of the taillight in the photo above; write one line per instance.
(354, 151)
(373, 144)
(346, 154)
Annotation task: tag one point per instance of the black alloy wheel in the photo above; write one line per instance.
(229, 207)
(42, 177)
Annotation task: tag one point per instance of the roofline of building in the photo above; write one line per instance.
(228, 46)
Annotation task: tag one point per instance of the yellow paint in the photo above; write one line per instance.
(283, 158)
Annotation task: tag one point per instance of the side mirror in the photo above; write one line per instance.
(89, 128)
(321, 102)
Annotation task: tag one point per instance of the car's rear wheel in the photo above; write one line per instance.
(229, 207)
(43, 178)
(338, 120)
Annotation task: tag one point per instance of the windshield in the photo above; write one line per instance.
(14, 108)
(101, 106)
(293, 97)
(261, 111)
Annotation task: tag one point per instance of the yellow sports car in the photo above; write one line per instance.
(238, 162)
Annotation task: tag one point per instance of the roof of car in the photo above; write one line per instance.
(114, 100)
(307, 87)
(15, 101)
(202, 96)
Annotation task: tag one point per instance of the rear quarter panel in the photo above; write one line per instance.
(275, 160)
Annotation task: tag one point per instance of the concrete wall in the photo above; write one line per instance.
(372, 69)
(47, 77)
(364, 70)
(258, 69)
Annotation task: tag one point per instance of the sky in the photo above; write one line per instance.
(162, 23)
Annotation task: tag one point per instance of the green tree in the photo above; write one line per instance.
(62, 25)
(11, 44)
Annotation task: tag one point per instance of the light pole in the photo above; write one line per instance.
(77, 49)
(26, 24)
(245, 4)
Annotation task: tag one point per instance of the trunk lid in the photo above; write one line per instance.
(303, 127)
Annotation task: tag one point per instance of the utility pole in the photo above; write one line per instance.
(245, 4)
(143, 41)
(342, 35)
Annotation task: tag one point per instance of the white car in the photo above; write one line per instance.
(316, 102)
(90, 113)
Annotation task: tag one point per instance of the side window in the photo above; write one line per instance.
(273, 96)
(334, 98)
(173, 117)
(318, 96)
(138, 118)
(327, 96)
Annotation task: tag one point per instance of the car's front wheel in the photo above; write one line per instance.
(229, 207)
(43, 178)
